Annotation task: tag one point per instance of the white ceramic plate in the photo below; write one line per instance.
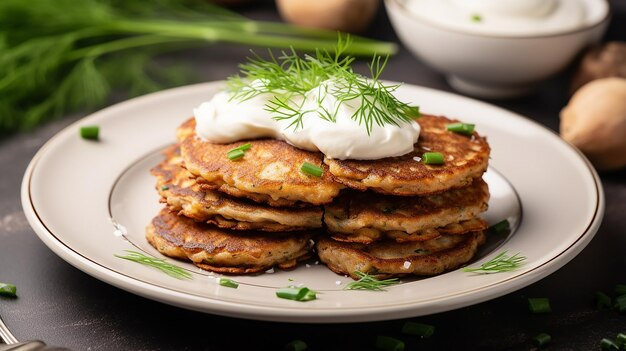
(73, 187)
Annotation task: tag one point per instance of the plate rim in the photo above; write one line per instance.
(286, 313)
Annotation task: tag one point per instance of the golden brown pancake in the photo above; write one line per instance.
(180, 190)
(386, 259)
(367, 216)
(366, 235)
(466, 158)
(226, 251)
(270, 167)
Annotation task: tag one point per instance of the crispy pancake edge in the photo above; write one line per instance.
(180, 191)
(390, 175)
(225, 251)
(346, 258)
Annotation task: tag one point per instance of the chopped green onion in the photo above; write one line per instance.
(620, 289)
(296, 345)
(476, 18)
(165, 187)
(296, 294)
(310, 169)
(620, 303)
(461, 128)
(235, 154)
(542, 339)
(8, 290)
(90, 132)
(228, 283)
(243, 147)
(418, 329)
(539, 305)
(620, 340)
(238, 152)
(603, 301)
(432, 158)
(606, 344)
(387, 343)
(501, 227)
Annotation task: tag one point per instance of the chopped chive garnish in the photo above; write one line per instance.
(228, 283)
(539, 305)
(387, 343)
(243, 147)
(606, 344)
(620, 340)
(603, 301)
(311, 169)
(296, 294)
(501, 227)
(500, 263)
(8, 290)
(620, 289)
(160, 264)
(235, 154)
(296, 345)
(542, 339)
(461, 128)
(476, 18)
(432, 158)
(418, 329)
(369, 282)
(165, 187)
(620, 303)
(90, 132)
(238, 152)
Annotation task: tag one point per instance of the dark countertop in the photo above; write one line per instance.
(66, 307)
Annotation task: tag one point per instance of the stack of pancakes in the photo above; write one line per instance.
(388, 217)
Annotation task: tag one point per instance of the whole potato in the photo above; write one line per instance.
(343, 15)
(607, 60)
(595, 121)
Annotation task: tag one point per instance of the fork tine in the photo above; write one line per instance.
(5, 334)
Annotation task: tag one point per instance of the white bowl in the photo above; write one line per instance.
(490, 66)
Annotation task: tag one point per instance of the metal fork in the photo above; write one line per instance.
(13, 345)
(5, 334)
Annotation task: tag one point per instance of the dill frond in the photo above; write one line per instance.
(160, 264)
(369, 282)
(289, 77)
(501, 263)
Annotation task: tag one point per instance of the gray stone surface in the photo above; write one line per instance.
(65, 307)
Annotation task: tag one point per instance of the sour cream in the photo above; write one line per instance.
(225, 120)
(511, 17)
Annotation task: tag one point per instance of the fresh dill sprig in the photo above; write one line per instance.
(369, 282)
(501, 263)
(160, 264)
(62, 56)
(290, 78)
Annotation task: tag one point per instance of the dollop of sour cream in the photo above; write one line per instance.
(226, 120)
(511, 17)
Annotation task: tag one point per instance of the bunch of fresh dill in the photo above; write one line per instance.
(67, 55)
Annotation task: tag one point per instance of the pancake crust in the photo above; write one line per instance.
(367, 235)
(466, 158)
(179, 189)
(367, 216)
(391, 259)
(270, 167)
(225, 251)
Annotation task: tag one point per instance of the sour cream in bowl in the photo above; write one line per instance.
(498, 48)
